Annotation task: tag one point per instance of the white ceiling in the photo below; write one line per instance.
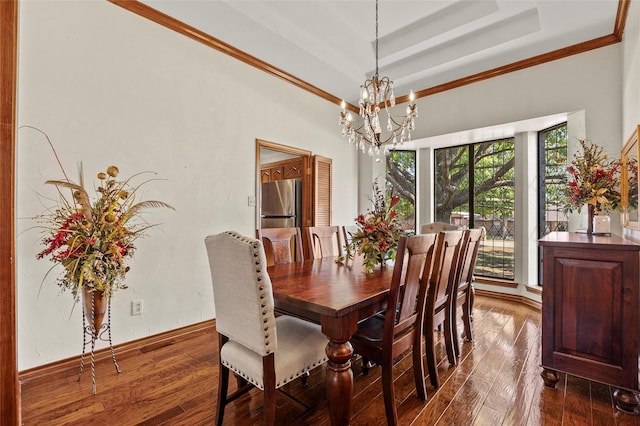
(422, 43)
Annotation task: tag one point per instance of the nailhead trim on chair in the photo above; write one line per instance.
(259, 277)
(284, 382)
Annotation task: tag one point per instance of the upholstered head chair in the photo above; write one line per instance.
(435, 227)
(265, 351)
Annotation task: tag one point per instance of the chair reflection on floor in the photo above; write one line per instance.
(381, 339)
(264, 351)
(281, 245)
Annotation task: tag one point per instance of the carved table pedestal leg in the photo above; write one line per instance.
(339, 381)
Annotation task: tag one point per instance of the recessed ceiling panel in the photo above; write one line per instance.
(329, 44)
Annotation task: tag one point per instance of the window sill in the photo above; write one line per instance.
(496, 282)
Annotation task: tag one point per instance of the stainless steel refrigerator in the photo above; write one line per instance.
(281, 204)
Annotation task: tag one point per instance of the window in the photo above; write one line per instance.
(474, 187)
(552, 178)
(401, 181)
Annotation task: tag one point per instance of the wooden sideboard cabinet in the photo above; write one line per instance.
(590, 305)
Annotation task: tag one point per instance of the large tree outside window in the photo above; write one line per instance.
(474, 187)
(401, 181)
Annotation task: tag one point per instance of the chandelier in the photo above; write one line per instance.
(377, 93)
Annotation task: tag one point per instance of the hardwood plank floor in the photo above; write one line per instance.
(496, 382)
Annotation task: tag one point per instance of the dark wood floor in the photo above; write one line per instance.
(496, 382)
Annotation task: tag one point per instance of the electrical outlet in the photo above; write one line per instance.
(136, 307)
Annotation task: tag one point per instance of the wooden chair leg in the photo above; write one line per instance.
(448, 335)
(418, 367)
(454, 331)
(305, 379)
(430, 352)
(366, 365)
(240, 381)
(268, 365)
(388, 392)
(269, 406)
(467, 310)
(223, 386)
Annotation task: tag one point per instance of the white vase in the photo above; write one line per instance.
(601, 224)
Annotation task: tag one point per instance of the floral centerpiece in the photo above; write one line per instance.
(92, 240)
(376, 237)
(594, 180)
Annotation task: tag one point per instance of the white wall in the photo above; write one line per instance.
(110, 87)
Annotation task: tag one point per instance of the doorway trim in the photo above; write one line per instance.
(9, 388)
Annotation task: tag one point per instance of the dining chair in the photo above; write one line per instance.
(382, 339)
(436, 227)
(324, 241)
(264, 351)
(464, 285)
(439, 302)
(281, 245)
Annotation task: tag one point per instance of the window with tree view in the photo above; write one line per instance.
(401, 181)
(474, 187)
(552, 145)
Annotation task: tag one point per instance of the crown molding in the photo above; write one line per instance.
(167, 21)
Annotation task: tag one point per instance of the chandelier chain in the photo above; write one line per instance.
(376, 37)
(376, 95)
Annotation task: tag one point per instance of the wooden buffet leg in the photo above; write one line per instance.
(339, 381)
(626, 401)
(550, 377)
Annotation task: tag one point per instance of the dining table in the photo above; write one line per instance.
(337, 295)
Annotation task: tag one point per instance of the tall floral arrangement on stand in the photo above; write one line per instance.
(594, 180)
(376, 237)
(93, 239)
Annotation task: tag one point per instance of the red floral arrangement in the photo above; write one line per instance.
(378, 231)
(593, 180)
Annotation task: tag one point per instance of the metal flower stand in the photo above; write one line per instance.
(90, 331)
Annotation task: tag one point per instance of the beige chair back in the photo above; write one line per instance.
(242, 291)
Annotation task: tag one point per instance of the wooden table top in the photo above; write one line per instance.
(328, 288)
